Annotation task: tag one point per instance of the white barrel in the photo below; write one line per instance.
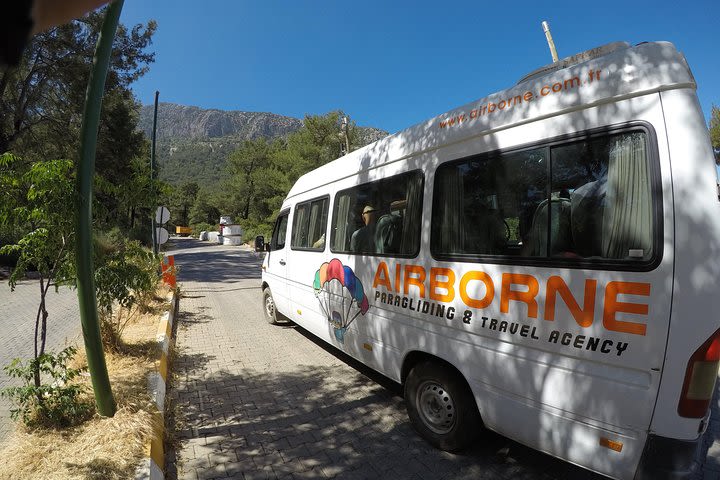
(203, 235)
(213, 237)
(232, 240)
(232, 229)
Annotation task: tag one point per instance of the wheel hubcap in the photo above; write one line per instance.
(269, 306)
(436, 407)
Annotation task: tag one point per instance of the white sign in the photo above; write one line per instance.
(161, 235)
(162, 215)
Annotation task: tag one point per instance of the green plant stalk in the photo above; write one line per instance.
(84, 248)
(152, 168)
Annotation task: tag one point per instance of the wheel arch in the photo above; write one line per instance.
(415, 357)
(462, 434)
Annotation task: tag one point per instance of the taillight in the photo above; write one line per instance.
(700, 376)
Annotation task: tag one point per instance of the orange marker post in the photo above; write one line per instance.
(168, 271)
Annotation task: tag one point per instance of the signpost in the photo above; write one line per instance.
(161, 235)
(162, 215)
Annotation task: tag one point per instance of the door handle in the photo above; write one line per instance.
(282, 262)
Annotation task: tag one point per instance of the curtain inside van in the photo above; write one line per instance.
(413, 215)
(341, 236)
(300, 226)
(452, 228)
(627, 219)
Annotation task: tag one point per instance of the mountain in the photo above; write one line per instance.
(194, 123)
(194, 143)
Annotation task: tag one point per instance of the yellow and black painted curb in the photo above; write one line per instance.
(153, 465)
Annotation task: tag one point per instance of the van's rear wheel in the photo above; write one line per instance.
(441, 406)
(269, 304)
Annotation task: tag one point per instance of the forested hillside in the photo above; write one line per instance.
(249, 179)
(194, 143)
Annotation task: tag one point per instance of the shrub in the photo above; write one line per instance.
(126, 276)
(251, 229)
(141, 233)
(200, 227)
(9, 235)
(55, 405)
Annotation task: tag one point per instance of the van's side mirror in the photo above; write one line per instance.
(259, 243)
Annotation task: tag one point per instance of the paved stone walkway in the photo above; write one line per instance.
(261, 401)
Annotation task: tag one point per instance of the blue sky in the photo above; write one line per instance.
(391, 64)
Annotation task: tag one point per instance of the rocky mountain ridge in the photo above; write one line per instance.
(190, 123)
(194, 123)
(193, 143)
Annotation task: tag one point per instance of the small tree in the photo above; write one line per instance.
(58, 404)
(39, 199)
(126, 276)
(715, 132)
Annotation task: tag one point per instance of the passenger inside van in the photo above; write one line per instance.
(485, 231)
(388, 233)
(320, 242)
(560, 235)
(363, 239)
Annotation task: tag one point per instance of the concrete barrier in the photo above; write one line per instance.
(153, 465)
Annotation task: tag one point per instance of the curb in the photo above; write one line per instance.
(152, 466)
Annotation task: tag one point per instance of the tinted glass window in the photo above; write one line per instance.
(309, 225)
(381, 217)
(485, 206)
(601, 199)
(586, 199)
(280, 231)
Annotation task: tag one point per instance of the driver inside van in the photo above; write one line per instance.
(363, 239)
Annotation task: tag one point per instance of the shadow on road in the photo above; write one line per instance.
(216, 267)
(320, 422)
(198, 261)
(712, 437)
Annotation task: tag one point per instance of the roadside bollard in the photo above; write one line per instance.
(168, 271)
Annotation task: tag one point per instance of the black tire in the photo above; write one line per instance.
(269, 310)
(441, 406)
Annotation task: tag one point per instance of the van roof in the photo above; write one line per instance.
(588, 79)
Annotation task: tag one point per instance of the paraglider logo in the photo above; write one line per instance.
(341, 295)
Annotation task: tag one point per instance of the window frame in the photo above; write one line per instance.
(656, 207)
(333, 218)
(324, 228)
(276, 230)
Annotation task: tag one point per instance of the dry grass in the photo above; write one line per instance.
(101, 448)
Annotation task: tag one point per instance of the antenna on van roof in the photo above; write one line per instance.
(551, 44)
(345, 140)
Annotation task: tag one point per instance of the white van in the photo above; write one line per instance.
(544, 261)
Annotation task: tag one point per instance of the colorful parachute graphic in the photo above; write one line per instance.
(341, 295)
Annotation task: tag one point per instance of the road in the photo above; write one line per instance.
(17, 324)
(254, 400)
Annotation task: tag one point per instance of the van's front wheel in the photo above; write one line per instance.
(441, 406)
(269, 304)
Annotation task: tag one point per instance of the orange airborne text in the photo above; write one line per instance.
(477, 290)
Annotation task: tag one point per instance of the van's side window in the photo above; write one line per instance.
(309, 223)
(587, 199)
(280, 231)
(379, 218)
(485, 206)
